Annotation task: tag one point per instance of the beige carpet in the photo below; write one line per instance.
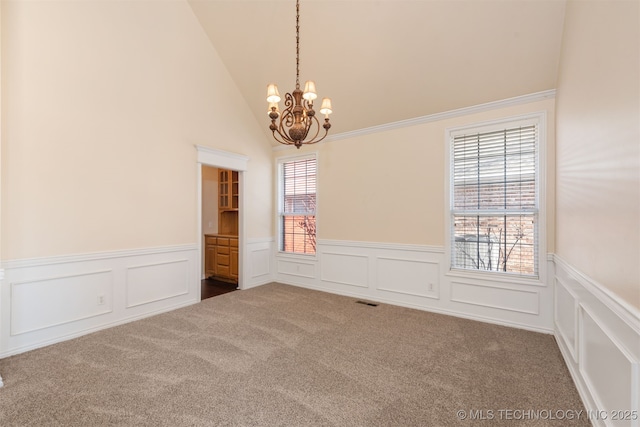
(279, 355)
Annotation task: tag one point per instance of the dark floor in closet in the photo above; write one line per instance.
(211, 288)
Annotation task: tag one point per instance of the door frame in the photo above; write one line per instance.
(225, 160)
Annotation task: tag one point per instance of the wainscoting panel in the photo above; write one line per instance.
(47, 300)
(417, 276)
(87, 295)
(297, 268)
(258, 270)
(612, 388)
(599, 338)
(411, 277)
(345, 269)
(500, 297)
(566, 317)
(156, 282)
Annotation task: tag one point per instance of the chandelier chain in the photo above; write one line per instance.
(297, 44)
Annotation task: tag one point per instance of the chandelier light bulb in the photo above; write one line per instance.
(272, 93)
(326, 108)
(310, 90)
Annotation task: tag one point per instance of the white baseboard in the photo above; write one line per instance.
(416, 276)
(599, 338)
(47, 300)
(598, 333)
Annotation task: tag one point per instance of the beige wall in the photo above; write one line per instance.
(102, 103)
(389, 186)
(598, 144)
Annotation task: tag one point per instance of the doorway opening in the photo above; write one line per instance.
(220, 220)
(220, 225)
(212, 288)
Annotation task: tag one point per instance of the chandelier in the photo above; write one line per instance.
(297, 124)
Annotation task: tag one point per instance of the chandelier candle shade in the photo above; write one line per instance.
(297, 124)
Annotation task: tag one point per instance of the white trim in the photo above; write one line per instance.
(87, 315)
(389, 258)
(426, 289)
(377, 245)
(280, 262)
(484, 285)
(291, 256)
(480, 318)
(494, 105)
(256, 240)
(107, 309)
(539, 118)
(208, 156)
(323, 273)
(629, 314)
(573, 347)
(492, 276)
(22, 349)
(154, 264)
(92, 256)
(225, 159)
(583, 391)
(280, 161)
(616, 320)
(622, 348)
(259, 259)
(597, 394)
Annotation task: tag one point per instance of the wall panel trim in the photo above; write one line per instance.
(14, 331)
(415, 276)
(378, 245)
(535, 293)
(629, 314)
(606, 337)
(91, 256)
(48, 300)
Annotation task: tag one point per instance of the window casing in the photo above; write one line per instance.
(494, 198)
(297, 205)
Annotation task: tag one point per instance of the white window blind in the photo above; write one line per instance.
(494, 194)
(298, 206)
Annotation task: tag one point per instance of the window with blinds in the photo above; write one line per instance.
(494, 200)
(298, 206)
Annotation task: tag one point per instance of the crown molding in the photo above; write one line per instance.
(494, 105)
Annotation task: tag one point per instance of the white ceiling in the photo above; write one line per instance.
(382, 61)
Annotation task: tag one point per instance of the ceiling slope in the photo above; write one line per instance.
(388, 60)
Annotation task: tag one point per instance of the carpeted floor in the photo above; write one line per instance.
(279, 355)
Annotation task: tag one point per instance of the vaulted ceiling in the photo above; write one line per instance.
(382, 61)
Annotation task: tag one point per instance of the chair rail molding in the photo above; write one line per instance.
(595, 329)
(52, 299)
(416, 276)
